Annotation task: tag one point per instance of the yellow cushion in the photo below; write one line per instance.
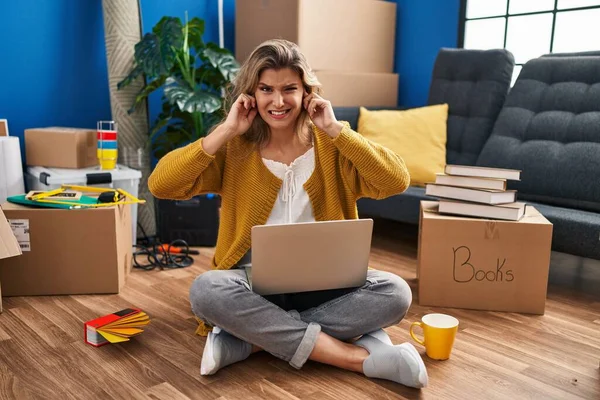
(417, 135)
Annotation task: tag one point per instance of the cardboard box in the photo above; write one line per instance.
(353, 89)
(61, 147)
(483, 264)
(3, 127)
(9, 247)
(86, 251)
(349, 35)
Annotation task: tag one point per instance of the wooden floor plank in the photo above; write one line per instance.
(164, 391)
(62, 318)
(12, 387)
(44, 370)
(48, 331)
(190, 383)
(496, 355)
(3, 334)
(332, 381)
(105, 376)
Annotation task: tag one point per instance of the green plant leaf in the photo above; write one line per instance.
(210, 76)
(175, 116)
(161, 146)
(223, 60)
(159, 124)
(183, 133)
(186, 118)
(155, 53)
(190, 100)
(145, 92)
(137, 71)
(211, 120)
(149, 57)
(167, 108)
(174, 136)
(195, 32)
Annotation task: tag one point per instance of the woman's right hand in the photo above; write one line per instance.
(241, 115)
(238, 121)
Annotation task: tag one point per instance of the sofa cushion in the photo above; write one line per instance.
(404, 207)
(417, 135)
(474, 84)
(593, 53)
(574, 231)
(351, 114)
(549, 128)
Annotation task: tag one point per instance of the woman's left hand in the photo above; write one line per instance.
(321, 114)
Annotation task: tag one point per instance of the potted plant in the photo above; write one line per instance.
(193, 75)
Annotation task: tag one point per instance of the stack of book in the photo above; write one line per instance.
(477, 192)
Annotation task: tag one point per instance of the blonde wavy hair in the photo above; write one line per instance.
(272, 54)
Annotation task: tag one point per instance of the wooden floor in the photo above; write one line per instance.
(496, 355)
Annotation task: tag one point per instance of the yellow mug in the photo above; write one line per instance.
(439, 331)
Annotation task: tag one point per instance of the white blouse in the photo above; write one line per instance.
(292, 204)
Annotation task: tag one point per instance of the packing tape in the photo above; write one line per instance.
(491, 230)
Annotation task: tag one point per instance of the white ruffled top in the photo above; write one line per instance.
(292, 204)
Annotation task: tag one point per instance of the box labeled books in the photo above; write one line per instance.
(116, 327)
(483, 264)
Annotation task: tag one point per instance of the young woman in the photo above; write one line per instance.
(280, 156)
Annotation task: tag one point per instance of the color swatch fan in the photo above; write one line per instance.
(116, 327)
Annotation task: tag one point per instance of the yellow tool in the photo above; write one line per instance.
(47, 194)
(118, 196)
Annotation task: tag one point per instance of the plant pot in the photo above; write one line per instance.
(195, 220)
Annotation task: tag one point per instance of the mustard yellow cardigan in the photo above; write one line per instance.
(347, 168)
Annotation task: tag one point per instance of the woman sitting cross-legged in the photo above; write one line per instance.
(280, 156)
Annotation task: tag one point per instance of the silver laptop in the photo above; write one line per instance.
(309, 256)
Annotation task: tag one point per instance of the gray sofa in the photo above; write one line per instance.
(547, 125)
(474, 83)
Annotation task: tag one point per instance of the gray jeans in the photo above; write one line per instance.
(223, 298)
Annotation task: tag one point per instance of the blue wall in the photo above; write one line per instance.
(53, 64)
(422, 28)
(54, 68)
